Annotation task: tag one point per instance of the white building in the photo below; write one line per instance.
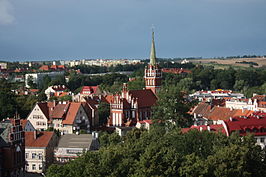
(72, 146)
(215, 94)
(55, 90)
(39, 150)
(67, 117)
(3, 65)
(38, 77)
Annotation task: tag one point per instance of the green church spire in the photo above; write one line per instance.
(153, 54)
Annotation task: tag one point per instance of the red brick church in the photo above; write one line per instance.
(131, 106)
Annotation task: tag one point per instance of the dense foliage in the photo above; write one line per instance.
(247, 81)
(172, 106)
(168, 153)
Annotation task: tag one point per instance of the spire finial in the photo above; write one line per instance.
(153, 53)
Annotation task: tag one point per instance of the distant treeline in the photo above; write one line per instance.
(248, 62)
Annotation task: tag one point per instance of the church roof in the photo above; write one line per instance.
(145, 98)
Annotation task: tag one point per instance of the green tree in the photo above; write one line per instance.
(171, 106)
(104, 112)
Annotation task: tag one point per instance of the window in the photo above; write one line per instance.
(26, 155)
(40, 156)
(40, 166)
(33, 155)
(262, 140)
(33, 167)
(27, 166)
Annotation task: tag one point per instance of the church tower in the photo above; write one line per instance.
(153, 74)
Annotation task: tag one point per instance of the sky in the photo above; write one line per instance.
(78, 29)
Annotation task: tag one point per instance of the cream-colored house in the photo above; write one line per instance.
(39, 115)
(39, 150)
(67, 117)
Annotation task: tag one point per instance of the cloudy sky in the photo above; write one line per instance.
(76, 29)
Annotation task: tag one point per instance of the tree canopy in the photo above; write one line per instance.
(168, 153)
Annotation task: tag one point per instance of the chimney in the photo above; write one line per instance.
(35, 133)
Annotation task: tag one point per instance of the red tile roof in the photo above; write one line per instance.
(212, 128)
(60, 110)
(255, 123)
(59, 87)
(88, 90)
(34, 90)
(23, 122)
(222, 113)
(202, 109)
(109, 98)
(42, 140)
(219, 113)
(72, 112)
(176, 70)
(259, 97)
(44, 68)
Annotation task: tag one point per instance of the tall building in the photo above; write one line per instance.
(12, 148)
(132, 106)
(153, 74)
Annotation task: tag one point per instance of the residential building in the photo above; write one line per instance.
(185, 61)
(38, 77)
(3, 66)
(205, 113)
(122, 131)
(12, 148)
(56, 91)
(176, 70)
(146, 124)
(39, 150)
(67, 117)
(72, 146)
(215, 94)
(87, 91)
(254, 123)
(91, 107)
(253, 103)
(52, 67)
(26, 125)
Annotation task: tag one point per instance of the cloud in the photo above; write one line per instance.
(6, 9)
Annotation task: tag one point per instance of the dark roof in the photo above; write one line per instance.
(5, 126)
(145, 98)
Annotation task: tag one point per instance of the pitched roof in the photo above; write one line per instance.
(44, 68)
(72, 112)
(47, 107)
(202, 109)
(260, 97)
(255, 123)
(109, 98)
(23, 123)
(88, 90)
(59, 87)
(212, 128)
(222, 113)
(145, 98)
(42, 140)
(59, 110)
